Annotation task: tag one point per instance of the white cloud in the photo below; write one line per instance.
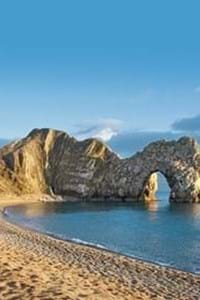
(103, 129)
(106, 134)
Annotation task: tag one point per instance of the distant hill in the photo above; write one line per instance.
(128, 143)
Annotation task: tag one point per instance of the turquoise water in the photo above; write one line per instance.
(160, 232)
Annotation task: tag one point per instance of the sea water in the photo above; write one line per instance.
(159, 231)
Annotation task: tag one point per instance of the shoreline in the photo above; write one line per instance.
(91, 272)
(88, 244)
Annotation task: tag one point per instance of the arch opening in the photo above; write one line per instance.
(156, 187)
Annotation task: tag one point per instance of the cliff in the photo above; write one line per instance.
(52, 162)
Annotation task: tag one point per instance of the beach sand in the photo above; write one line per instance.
(35, 266)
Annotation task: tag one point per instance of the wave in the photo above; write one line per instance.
(79, 241)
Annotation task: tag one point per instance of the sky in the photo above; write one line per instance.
(127, 72)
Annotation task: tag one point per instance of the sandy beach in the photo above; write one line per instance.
(36, 266)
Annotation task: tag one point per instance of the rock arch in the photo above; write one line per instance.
(178, 161)
(151, 185)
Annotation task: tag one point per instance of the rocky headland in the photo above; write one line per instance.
(50, 162)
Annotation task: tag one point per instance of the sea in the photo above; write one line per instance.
(160, 232)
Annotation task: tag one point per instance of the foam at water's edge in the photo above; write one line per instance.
(79, 241)
(33, 226)
(27, 223)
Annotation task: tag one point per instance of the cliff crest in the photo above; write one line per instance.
(51, 162)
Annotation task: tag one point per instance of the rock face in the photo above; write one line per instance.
(51, 162)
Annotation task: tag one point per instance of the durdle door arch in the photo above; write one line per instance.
(150, 187)
(178, 161)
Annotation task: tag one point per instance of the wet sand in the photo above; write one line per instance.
(36, 266)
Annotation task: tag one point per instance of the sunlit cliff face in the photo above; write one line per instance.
(151, 188)
(52, 162)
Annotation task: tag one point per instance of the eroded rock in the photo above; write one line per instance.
(52, 162)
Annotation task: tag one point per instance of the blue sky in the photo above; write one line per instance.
(102, 68)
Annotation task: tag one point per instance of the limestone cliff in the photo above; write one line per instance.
(52, 162)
